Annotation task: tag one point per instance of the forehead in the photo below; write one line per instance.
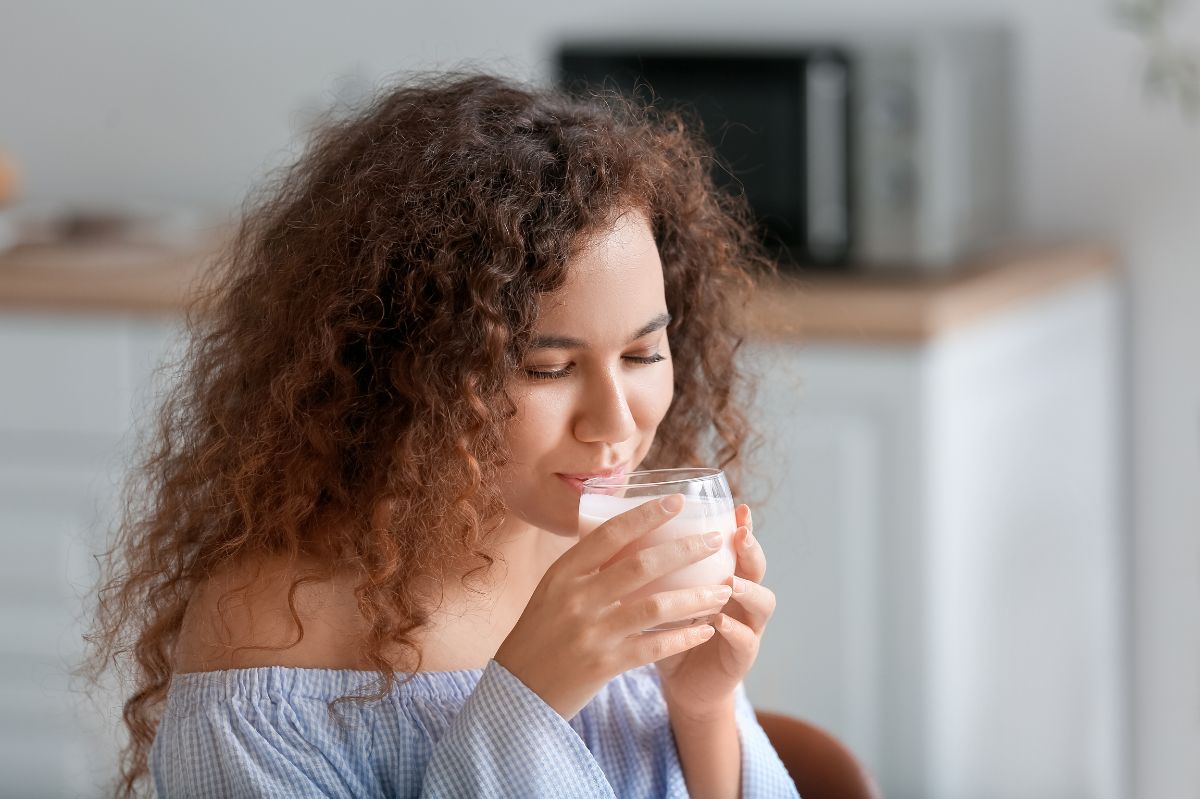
(614, 276)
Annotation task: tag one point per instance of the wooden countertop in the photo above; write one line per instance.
(106, 278)
(909, 307)
(812, 306)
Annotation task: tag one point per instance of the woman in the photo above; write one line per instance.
(352, 567)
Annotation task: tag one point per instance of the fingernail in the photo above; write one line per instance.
(722, 594)
(672, 503)
(739, 585)
(712, 539)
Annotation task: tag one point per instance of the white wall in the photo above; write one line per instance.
(138, 99)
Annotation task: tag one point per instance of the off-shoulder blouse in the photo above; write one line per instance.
(270, 732)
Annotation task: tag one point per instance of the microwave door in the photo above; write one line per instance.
(826, 88)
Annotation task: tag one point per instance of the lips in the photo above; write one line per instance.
(611, 472)
(576, 480)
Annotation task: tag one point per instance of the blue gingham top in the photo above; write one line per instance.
(268, 732)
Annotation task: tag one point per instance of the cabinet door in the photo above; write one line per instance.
(53, 736)
(836, 424)
(75, 390)
(1025, 537)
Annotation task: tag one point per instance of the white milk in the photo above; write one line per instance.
(698, 516)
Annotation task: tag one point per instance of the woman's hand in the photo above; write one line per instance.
(699, 683)
(575, 634)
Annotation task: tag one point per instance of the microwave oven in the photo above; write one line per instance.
(881, 152)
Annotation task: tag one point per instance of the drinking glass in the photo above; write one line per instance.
(707, 506)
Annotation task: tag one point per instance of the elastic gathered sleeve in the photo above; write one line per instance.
(763, 773)
(256, 733)
(507, 742)
(245, 734)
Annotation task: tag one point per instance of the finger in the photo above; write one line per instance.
(741, 644)
(631, 572)
(652, 647)
(669, 606)
(751, 560)
(744, 517)
(594, 550)
(754, 604)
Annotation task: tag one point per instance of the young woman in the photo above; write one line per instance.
(352, 565)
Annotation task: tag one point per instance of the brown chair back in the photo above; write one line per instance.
(820, 765)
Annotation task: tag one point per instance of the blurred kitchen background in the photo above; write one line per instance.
(980, 492)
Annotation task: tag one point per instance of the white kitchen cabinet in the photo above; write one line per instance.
(945, 536)
(74, 386)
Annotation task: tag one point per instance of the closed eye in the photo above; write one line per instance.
(567, 370)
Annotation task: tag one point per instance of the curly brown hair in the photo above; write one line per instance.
(343, 394)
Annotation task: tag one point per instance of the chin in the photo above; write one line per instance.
(563, 529)
(562, 523)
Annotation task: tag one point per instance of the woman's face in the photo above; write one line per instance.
(598, 378)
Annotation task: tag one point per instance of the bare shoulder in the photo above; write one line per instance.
(269, 612)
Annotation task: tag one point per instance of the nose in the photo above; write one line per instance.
(605, 414)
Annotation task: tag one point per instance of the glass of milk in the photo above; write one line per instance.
(707, 506)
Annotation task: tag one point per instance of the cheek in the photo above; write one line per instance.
(654, 402)
(534, 439)
(538, 412)
(656, 399)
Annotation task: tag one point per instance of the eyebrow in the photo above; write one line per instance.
(553, 342)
